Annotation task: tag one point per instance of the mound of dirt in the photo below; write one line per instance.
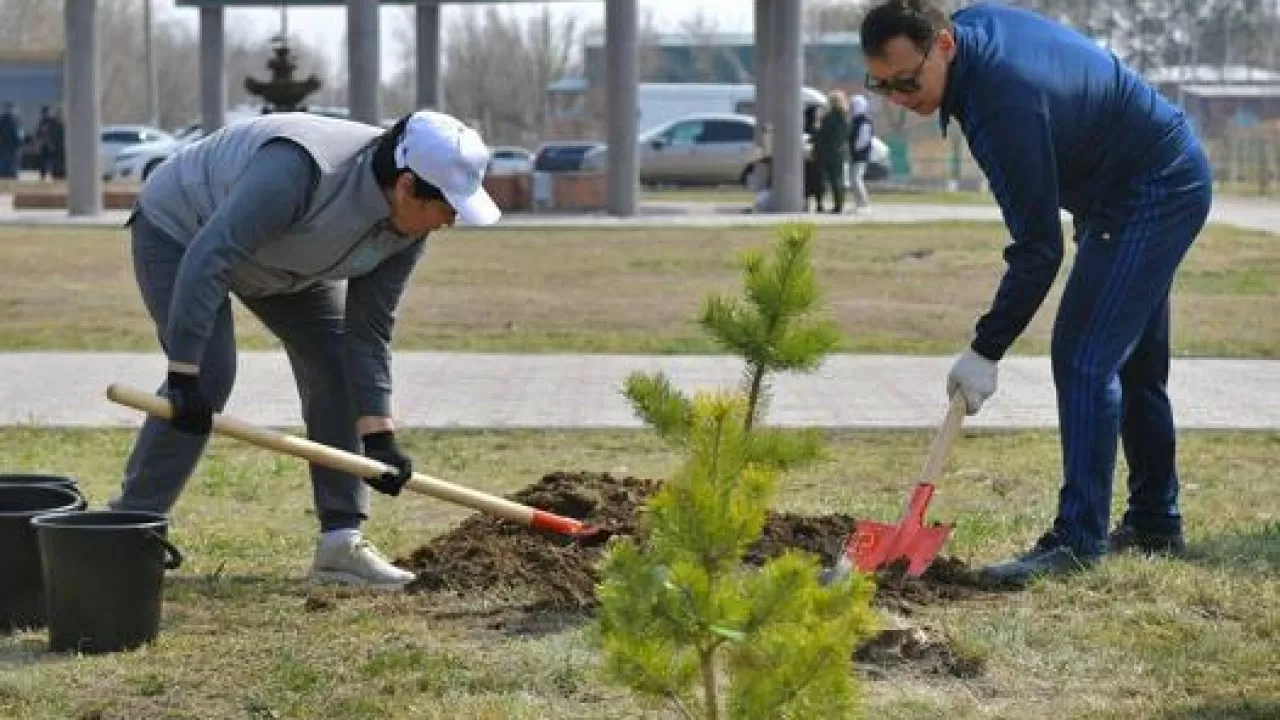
(487, 554)
(484, 554)
(556, 577)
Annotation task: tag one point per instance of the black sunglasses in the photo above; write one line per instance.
(903, 85)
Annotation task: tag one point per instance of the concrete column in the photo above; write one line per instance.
(149, 61)
(213, 73)
(83, 116)
(363, 76)
(788, 139)
(430, 94)
(621, 32)
(763, 67)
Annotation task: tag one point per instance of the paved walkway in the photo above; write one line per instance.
(463, 390)
(495, 391)
(1246, 213)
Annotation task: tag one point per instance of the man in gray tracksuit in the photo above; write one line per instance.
(315, 224)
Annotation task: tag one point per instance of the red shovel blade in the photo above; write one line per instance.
(874, 545)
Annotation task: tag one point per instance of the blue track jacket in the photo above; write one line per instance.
(1055, 121)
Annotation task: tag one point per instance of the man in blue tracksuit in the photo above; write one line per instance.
(1057, 122)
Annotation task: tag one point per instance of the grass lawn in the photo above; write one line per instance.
(244, 637)
(738, 195)
(890, 288)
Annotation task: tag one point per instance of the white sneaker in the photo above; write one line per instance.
(354, 561)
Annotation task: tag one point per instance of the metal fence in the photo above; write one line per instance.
(1244, 161)
(1247, 162)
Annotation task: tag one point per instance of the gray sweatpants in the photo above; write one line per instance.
(309, 324)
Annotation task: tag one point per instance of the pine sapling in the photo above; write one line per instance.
(682, 619)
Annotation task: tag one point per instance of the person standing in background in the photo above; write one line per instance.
(831, 147)
(862, 129)
(11, 138)
(813, 181)
(48, 142)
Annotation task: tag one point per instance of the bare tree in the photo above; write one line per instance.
(1149, 34)
(177, 74)
(649, 61)
(30, 24)
(823, 17)
(497, 68)
(700, 33)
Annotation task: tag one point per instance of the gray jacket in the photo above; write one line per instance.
(273, 206)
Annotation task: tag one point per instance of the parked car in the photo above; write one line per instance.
(136, 163)
(659, 103)
(702, 148)
(115, 138)
(709, 149)
(563, 155)
(508, 160)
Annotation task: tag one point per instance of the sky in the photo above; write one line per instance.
(325, 27)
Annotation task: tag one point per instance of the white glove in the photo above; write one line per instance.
(975, 377)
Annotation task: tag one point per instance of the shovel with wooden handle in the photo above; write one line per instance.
(874, 545)
(362, 466)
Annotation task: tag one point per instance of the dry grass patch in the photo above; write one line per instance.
(891, 288)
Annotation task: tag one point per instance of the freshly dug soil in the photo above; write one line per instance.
(556, 577)
(484, 554)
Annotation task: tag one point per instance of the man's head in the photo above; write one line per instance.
(431, 167)
(908, 45)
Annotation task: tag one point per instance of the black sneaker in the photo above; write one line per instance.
(1049, 558)
(1126, 538)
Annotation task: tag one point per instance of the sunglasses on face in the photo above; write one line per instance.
(903, 85)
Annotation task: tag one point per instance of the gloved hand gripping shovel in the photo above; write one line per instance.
(874, 545)
(362, 466)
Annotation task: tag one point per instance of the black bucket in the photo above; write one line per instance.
(104, 574)
(40, 479)
(21, 586)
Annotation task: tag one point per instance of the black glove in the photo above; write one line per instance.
(381, 446)
(192, 413)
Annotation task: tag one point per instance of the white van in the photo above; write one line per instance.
(659, 103)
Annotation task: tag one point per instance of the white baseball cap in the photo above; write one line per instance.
(446, 153)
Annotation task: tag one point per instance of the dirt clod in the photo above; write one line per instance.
(315, 604)
(919, 649)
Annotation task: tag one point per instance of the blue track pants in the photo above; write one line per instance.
(1110, 353)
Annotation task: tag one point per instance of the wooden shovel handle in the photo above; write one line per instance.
(945, 438)
(358, 465)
